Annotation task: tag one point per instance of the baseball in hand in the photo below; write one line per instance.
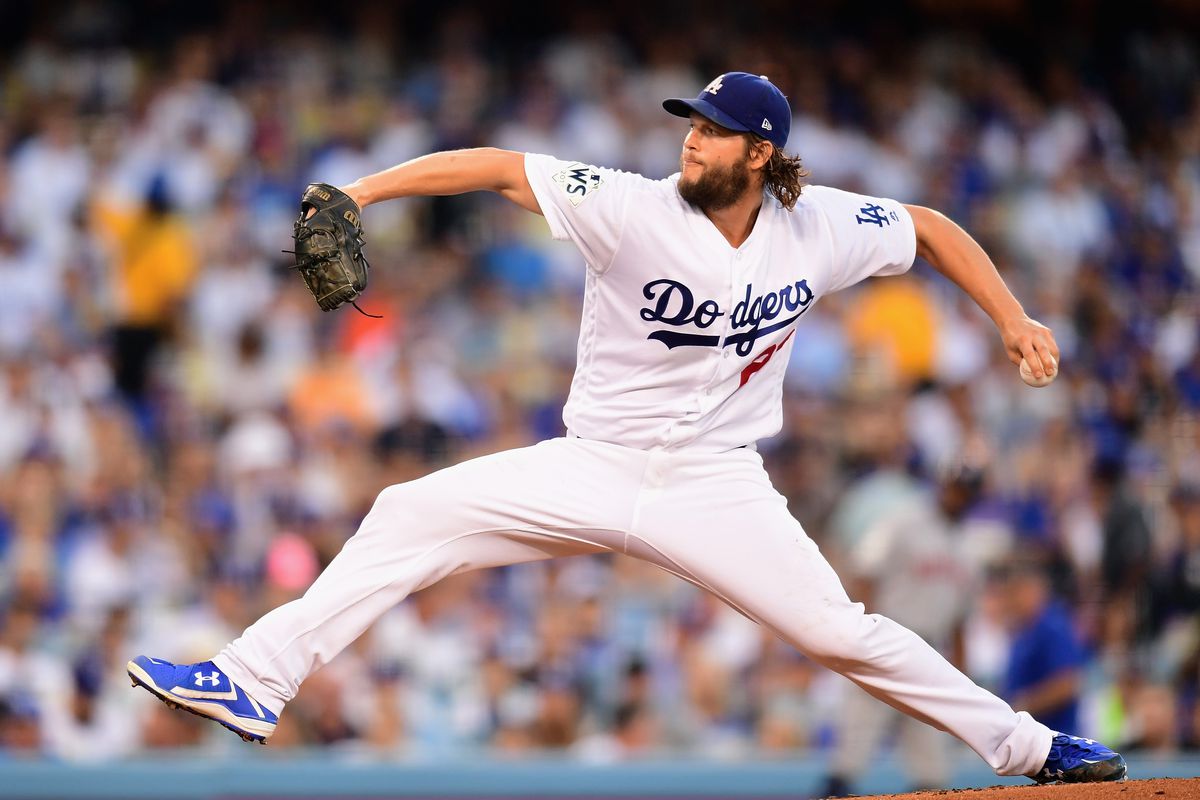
(1027, 373)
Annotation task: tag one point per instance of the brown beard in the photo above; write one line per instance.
(717, 188)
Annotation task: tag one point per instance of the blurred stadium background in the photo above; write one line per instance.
(185, 440)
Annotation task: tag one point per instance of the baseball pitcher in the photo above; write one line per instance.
(695, 287)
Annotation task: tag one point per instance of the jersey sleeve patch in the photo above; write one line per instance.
(578, 182)
(874, 214)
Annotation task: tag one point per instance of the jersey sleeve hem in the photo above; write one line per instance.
(911, 257)
(558, 229)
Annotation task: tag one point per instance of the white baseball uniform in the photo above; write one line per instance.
(681, 357)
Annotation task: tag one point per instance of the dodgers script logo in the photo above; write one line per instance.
(675, 305)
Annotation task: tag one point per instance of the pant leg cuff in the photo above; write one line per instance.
(261, 693)
(1025, 750)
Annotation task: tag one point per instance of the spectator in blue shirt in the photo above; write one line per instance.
(1046, 655)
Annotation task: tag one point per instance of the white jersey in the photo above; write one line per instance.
(684, 338)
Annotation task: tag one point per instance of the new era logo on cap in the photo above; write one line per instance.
(741, 102)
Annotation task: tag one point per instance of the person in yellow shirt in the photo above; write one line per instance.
(154, 262)
(898, 318)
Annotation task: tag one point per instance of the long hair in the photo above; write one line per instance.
(784, 177)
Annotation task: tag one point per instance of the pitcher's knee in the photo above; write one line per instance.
(404, 512)
(413, 499)
(393, 497)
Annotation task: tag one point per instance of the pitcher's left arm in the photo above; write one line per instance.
(953, 252)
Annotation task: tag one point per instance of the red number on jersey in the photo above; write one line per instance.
(760, 360)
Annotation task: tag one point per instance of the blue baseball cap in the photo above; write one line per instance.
(741, 102)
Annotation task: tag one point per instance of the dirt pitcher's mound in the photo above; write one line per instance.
(1157, 788)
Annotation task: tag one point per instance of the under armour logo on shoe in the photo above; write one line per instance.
(766, 126)
(215, 677)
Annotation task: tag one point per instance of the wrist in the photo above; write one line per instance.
(358, 193)
(1009, 317)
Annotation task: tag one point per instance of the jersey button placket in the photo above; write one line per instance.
(734, 276)
(734, 267)
(727, 324)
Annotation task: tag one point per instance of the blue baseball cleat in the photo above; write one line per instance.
(206, 691)
(1074, 759)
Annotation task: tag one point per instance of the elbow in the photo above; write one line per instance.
(484, 168)
(507, 168)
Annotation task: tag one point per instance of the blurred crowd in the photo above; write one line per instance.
(185, 440)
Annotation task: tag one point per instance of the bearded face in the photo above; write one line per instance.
(716, 187)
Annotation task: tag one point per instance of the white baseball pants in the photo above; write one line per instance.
(712, 519)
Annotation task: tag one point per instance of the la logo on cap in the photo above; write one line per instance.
(715, 86)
